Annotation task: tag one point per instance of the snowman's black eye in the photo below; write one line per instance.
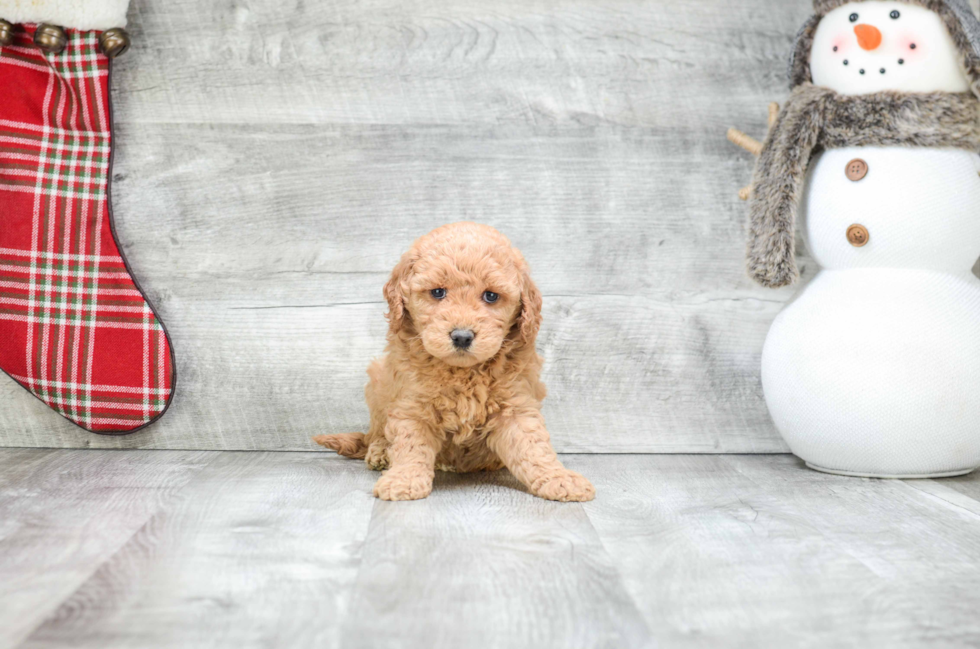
(895, 15)
(854, 18)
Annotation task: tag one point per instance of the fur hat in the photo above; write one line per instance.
(962, 24)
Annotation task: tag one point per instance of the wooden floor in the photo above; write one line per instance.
(150, 549)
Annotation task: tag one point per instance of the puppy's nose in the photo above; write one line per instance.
(462, 338)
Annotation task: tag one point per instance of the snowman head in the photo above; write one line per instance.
(856, 48)
(863, 47)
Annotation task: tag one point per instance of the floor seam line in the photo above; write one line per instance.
(98, 565)
(940, 489)
(619, 575)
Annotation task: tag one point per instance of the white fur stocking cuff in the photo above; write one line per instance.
(72, 14)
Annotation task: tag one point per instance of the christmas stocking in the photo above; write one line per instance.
(75, 328)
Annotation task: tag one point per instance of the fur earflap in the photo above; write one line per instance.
(529, 320)
(818, 117)
(395, 292)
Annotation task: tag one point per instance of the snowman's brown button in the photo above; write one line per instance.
(857, 235)
(856, 169)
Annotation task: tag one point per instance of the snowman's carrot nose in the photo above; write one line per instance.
(869, 37)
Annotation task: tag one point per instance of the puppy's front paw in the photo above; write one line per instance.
(402, 485)
(564, 486)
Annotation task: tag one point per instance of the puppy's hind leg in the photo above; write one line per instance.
(377, 454)
(376, 393)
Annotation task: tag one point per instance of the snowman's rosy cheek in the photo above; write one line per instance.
(842, 43)
(910, 47)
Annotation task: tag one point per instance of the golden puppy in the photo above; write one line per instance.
(458, 388)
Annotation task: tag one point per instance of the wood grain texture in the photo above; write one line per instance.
(968, 484)
(275, 158)
(260, 550)
(481, 563)
(760, 552)
(962, 492)
(62, 514)
(148, 549)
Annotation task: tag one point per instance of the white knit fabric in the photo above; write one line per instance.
(921, 208)
(935, 64)
(876, 371)
(874, 368)
(76, 14)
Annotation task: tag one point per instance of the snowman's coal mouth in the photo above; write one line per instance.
(864, 71)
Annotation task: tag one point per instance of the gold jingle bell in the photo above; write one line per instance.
(51, 38)
(114, 42)
(6, 33)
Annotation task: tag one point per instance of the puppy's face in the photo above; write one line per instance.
(463, 288)
(463, 311)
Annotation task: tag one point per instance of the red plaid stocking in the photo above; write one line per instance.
(75, 329)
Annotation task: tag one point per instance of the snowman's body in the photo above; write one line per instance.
(874, 368)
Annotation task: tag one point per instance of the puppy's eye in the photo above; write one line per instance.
(854, 18)
(895, 14)
(490, 297)
(438, 293)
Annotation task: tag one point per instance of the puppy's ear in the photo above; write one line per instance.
(529, 320)
(395, 291)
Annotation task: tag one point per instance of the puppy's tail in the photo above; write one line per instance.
(346, 444)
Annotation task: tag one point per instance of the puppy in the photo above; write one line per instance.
(458, 388)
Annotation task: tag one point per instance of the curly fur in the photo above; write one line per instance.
(817, 117)
(433, 406)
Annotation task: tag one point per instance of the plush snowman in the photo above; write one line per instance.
(874, 367)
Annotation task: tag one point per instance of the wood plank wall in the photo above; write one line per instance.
(274, 158)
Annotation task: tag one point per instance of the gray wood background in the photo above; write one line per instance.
(224, 550)
(274, 158)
